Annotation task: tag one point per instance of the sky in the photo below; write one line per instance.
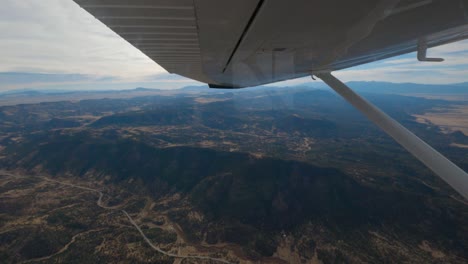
(54, 44)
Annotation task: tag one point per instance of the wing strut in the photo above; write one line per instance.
(435, 161)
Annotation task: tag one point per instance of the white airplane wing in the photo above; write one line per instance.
(240, 43)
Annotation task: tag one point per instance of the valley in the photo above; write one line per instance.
(261, 176)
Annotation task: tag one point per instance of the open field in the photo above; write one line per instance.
(447, 97)
(448, 119)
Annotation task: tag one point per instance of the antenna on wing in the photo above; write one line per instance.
(422, 51)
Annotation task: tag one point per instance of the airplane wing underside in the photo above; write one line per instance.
(251, 42)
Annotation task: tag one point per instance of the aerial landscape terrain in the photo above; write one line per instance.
(198, 175)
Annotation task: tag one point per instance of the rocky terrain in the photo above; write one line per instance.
(270, 176)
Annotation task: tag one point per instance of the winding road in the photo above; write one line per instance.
(99, 203)
(64, 248)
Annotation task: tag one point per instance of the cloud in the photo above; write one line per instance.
(57, 36)
(22, 77)
(22, 80)
(165, 77)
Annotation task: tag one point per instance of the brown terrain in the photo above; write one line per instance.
(292, 177)
(37, 202)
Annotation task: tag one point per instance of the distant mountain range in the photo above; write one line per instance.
(26, 96)
(32, 92)
(409, 88)
(370, 87)
(398, 88)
